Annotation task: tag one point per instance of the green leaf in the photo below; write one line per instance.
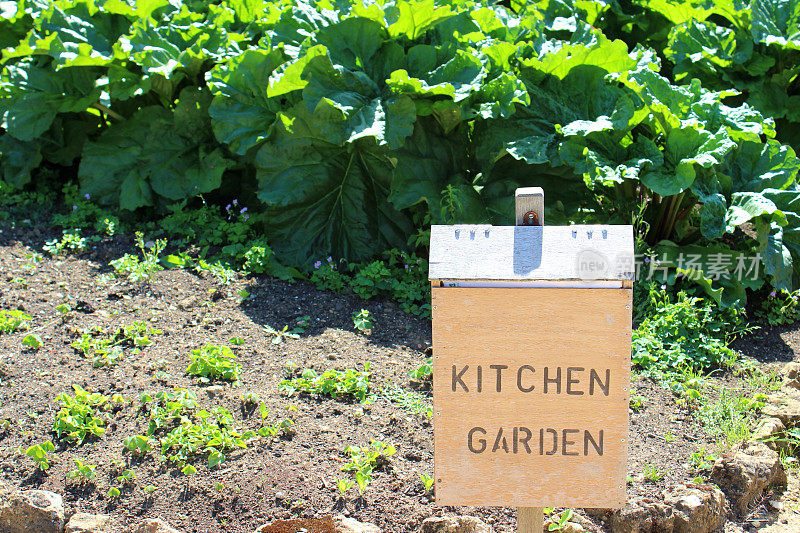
(18, 159)
(150, 156)
(242, 113)
(324, 198)
(412, 19)
(36, 95)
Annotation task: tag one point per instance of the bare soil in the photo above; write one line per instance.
(273, 479)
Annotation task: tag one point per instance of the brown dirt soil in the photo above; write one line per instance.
(272, 479)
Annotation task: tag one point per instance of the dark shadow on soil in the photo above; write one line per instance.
(277, 303)
(769, 344)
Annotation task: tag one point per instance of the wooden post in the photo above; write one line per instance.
(529, 207)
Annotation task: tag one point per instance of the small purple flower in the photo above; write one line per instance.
(329, 259)
(405, 266)
(243, 211)
(772, 294)
(245, 217)
(235, 201)
(87, 196)
(646, 259)
(317, 264)
(663, 287)
(658, 262)
(228, 207)
(74, 207)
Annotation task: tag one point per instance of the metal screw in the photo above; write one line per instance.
(589, 234)
(458, 231)
(487, 232)
(472, 234)
(574, 233)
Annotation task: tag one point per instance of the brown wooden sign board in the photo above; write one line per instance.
(531, 396)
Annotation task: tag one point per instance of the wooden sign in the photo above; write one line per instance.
(531, 396)
(531, 369)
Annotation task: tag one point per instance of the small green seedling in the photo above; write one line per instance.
(279, 336)
(39, 454)
(13, 321)
(33, 341)
(334, 383)
(138, 444)
(427, 482)
(84, 472)
(423, 372)
(126, 477)
(71, 241)
(343, 485)
(651, 473)
(150, 489)
(214, 362)
(188, 470)
(236, 341)
(363, 321)
(364, 459)
(140, 269)
(63, 308)
(563, 518)
(113, 492)
(77, 420)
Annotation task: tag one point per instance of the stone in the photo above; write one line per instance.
(643, 515)
(744, 473)
(351, 525)
(88, 523)
(154, 525)
(697, 508)
(769, 431)
(187, 303)
(783, 406)
(455, 524)
(317, 525)
(214, 390)
(31, 511)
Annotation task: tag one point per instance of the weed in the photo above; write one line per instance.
(71, 241)
(222, 272)
(690, 332)
(39, 454)
(214, 362)
(13, 321)
(669, 437)
(63, 308)
(702, 460)
(84, 472)
(730, 417)
(113, 493)
(363, 321)
(781, 307)
(410, 401)
(327, 277)
(140, 269)
(333, 383)
(279, 336)
(651, 473)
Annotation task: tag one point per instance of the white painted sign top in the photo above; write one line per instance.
(532, 253)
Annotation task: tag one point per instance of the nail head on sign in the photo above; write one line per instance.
(530, 219)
